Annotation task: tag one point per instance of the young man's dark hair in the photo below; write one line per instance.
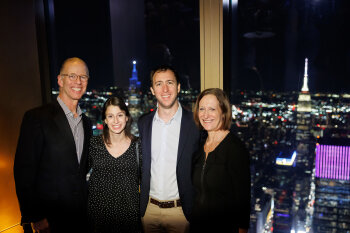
(162, 68)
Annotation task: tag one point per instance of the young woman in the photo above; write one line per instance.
(115, 159)
(221, 173)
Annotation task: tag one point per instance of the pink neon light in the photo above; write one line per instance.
(321, 161)
(342, 164)
(339, 165)
(328, 161)
(317, 160)
(348, 167)
(341, 174)
(322, 173)
(336, 169)
(332, 162)
(324, 169)
(335, 161)
(324, 165)
(345, 164)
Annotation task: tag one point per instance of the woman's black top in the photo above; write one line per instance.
(222, 188)
(113, 200)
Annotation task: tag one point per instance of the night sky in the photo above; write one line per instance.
(82, 29)
(317, 29)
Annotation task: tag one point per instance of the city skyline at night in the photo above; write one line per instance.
(292, 114)
(285, 172)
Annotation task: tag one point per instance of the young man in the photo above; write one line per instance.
(169, 138)
(51, 158)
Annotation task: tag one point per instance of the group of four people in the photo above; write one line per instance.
(185, 172)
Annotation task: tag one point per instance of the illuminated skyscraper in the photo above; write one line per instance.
(304, 100)
(134, 98)
(305, 87)
(332, 162)
(303, 121)
(305, 156)
(133, 81)
(332, 194)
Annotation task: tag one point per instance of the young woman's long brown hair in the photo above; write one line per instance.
(119, 102)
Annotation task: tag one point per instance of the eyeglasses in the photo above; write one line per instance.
(74, 77)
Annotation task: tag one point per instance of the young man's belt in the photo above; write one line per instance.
(166, 204)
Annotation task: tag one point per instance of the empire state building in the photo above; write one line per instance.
(305, 154)
(304, 100)
(303, 135)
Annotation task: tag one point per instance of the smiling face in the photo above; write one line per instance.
(116, 119)
(72, 90)
(210, 113)
(165, 88)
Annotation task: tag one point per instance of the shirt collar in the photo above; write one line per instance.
(177, 116)
(66, 109)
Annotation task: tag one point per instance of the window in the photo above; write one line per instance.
(266, 44)
(121, 41)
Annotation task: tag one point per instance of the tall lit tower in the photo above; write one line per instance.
(305, 88)
(303, 135)
(304, 100)
(305, 155)
(133, 81)
(134, 98)
(303, 121)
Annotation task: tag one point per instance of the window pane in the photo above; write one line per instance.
(292, 113)
(121, 41)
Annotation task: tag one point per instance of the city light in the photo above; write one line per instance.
(286, 161)
(333, 162)
(269, 124)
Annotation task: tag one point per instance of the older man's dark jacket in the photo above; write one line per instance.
(50, 182)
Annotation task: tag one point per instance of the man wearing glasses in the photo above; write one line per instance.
(51, 158)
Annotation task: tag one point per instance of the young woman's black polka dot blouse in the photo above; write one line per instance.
(113, 201)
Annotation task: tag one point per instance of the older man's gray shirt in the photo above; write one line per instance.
(76, 125)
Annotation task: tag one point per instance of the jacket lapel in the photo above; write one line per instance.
(148, 136)
(65, 130)
(184, 132)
